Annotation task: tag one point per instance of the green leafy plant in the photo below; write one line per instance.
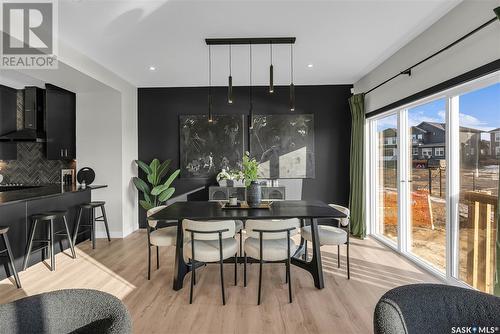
(250, 169)
(157, 191)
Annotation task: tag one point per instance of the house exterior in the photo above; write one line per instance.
(495, 143)
(429, 142)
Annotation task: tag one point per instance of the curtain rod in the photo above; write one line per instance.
(408, 70)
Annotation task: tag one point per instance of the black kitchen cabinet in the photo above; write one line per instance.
(60, 123)
(8, 107)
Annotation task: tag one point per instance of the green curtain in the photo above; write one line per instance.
(357, 190)
(497, 276)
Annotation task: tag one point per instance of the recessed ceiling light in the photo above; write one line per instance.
(152, 68)
(309, 65)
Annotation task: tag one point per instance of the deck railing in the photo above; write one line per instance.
(481, 238)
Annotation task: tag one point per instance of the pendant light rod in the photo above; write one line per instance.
(252, 40)
(210, 84)
(250, 114)
(230, 79)
(292, 87)
(271, 70)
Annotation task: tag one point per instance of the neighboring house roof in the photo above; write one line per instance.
(495, 130)
(417, 129)
(440, 126)
(466, 129)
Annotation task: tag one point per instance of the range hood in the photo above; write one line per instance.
(33, 118)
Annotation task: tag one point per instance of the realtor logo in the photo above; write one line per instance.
(29, 37)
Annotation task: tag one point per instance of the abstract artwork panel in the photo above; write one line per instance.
(206, 148)
(284, 145)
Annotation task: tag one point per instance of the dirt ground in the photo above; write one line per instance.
(429, 239)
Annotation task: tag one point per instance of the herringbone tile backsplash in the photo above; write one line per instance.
(31, 166)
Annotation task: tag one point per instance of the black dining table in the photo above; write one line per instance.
(203, 210)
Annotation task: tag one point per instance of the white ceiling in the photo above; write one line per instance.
(343, 40)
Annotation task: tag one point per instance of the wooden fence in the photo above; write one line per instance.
(481, 238)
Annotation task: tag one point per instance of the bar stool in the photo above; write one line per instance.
(48, 218)
(3, 232)
(91, 207)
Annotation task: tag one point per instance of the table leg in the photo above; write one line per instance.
(180, 267)
(314, 266)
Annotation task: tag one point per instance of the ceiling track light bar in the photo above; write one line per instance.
(255, 40)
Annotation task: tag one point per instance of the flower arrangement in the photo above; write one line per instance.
(250, 169)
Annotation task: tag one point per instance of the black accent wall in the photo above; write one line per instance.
(158, 121)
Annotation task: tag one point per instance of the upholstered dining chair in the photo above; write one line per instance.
(269, 241)
(210, 242)
(331, 235)
(158, 237)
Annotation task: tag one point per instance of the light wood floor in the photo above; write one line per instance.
(119, 267)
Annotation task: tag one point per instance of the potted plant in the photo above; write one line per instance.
(250, 172)
(158, 191)
(222, 178)
(238, 178)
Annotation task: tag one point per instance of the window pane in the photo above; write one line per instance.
(387, 161)
(479, 161)
(428, 182)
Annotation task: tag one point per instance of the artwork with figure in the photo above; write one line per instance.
(206, 148)
(284, 145)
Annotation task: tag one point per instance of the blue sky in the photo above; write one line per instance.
(479, 109)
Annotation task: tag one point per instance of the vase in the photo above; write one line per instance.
(254, 195)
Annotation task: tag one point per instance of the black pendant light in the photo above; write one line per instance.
(210, 119)
(292, 87)
(271, 70)
(250, 120)
(230, 79)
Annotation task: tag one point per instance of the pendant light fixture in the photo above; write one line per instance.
(250, 117)
(292, 87)
(210, 119)
(230, 79)
(271, 70)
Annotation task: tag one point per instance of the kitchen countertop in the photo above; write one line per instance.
(42, 191)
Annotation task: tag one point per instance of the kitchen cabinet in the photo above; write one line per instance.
(8, 107)
(60, 123)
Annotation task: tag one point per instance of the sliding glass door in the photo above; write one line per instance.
(434, 182)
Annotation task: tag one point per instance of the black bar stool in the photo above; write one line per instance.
(91, 207)
(48, 218)
(3, 232)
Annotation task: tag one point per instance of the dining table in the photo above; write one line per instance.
(306, 211)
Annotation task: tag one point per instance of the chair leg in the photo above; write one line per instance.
(245, 269)
(289, 279)
(105, 218)
(92, 227)
(192, 281)
(51, 245)
(157, 257)
(305, 250)
(338, 256)
(149, 253)
(71, 245)
(236, 269)
(222, 275)
(260, 280)
(30, 244)
(75, 234)
(11, 260)
(348, 268)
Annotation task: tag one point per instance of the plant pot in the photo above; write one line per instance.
(222, 183)
(254, 194)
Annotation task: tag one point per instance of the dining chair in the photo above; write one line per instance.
(331, 235)
(158, 237)
(210, 242)
(269, 241)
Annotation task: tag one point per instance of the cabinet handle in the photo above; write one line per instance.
(66, 152)
(62, 152)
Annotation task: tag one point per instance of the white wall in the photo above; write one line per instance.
(479, 49)
(98, 120)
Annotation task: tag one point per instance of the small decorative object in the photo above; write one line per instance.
(250, 171)
(158, 191)
(86, 174)
(245, 206)
(83, 185)
(233, 201)
(223, 177)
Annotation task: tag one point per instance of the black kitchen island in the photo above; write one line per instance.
(16, 207)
